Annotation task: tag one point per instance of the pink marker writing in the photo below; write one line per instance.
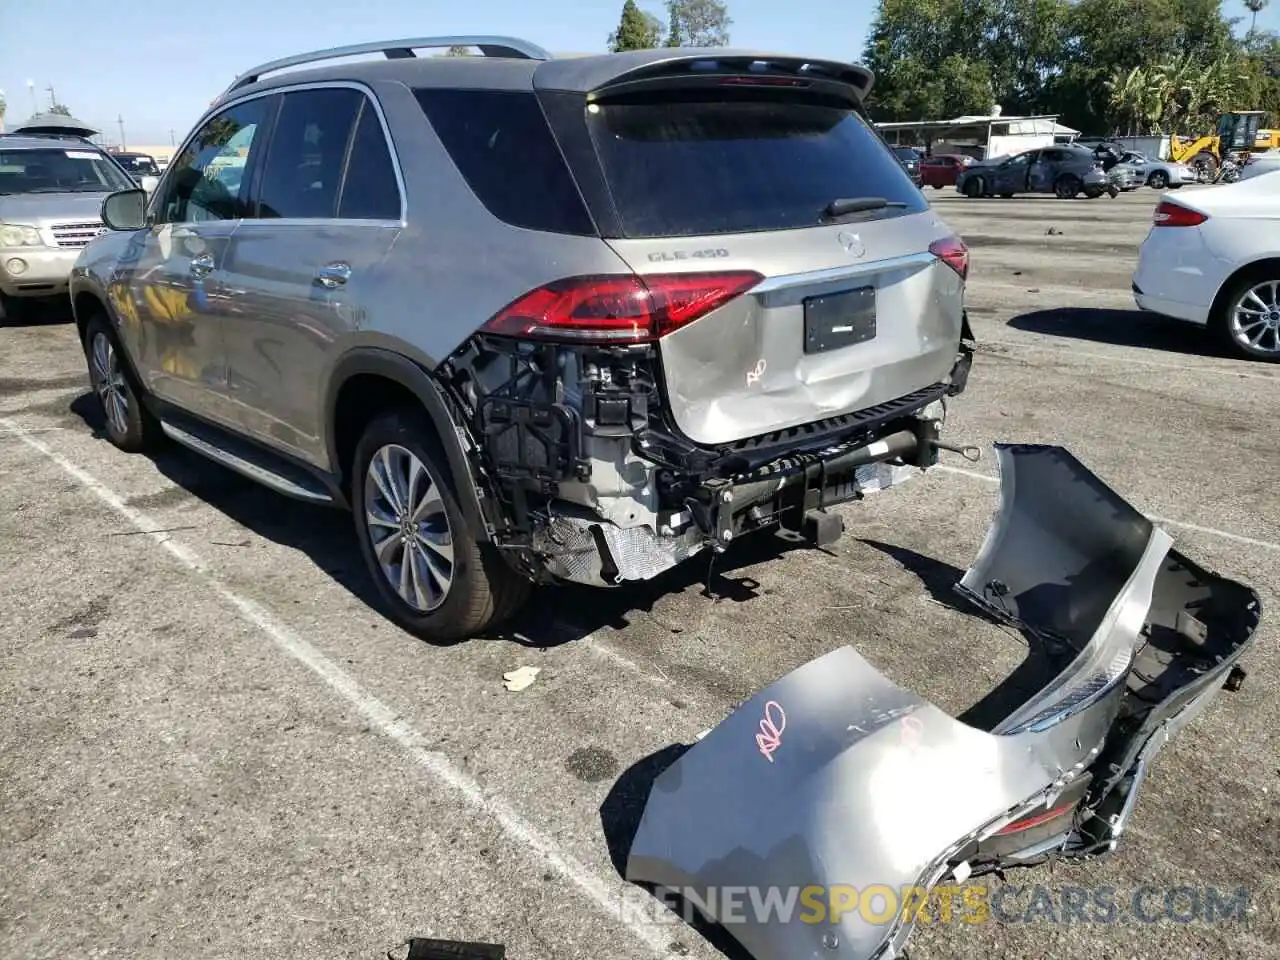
(770, 736)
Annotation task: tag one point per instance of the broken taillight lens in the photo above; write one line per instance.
(1035, 820)
(952, 252)
(1169, 214)
(618, 309)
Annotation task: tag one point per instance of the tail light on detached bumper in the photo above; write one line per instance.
(1170, 214)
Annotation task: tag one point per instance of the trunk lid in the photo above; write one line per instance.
(851, 311)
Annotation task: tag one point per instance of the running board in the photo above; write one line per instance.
(248, 462)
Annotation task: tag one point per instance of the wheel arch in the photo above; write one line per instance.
(350, 402)
(1261, 266)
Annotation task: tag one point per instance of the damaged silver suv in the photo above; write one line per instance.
(533, 319)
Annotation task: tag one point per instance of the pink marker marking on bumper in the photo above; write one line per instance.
(770, 736)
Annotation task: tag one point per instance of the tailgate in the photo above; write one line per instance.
(721, 176)
(847, 317)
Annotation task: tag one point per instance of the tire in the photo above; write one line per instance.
(1067, 186)
(1006, 196)
(13, 309)
(937, 186)
(481, 589)
(973, 188)
(1158, 180)
(127, 423)
(1113, 191)
(1092, 193)
(1227, 323)
(1207, 165)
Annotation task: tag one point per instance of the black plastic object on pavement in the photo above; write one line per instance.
(425, 948)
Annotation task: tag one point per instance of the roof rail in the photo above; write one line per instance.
(45, 135)
(490, 46)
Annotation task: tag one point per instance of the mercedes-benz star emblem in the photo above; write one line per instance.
(851, 242)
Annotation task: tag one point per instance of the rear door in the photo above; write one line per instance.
(849, 312)
(326, 209)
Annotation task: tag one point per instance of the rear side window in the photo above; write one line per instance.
(501, 144)
(690, 167)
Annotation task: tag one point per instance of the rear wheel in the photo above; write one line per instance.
(129, 425)
(1249, 319)
(434, 576)
(1158, 180)
(1067, 186)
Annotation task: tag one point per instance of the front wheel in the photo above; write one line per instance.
(1158, 180)
(1249, 321)
(434, 576)
(129, 425)
(973, 188)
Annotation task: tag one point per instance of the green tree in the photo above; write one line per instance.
(637, 30)
(1255, 7)
(458, 52)
(697, 23)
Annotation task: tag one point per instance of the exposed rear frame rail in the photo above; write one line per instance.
(490, 46)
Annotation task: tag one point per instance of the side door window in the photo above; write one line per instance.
(207, 181)
(370, 190)
(302, 175)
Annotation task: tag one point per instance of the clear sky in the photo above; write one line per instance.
(158, 63)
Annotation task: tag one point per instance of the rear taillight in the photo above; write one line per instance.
(1035, 820)
(618, 309)
(952, 252)
(1170, 214)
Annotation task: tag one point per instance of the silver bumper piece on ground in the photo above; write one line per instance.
(835, 778)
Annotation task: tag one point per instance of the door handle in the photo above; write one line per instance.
(333, 275)
(202, 265)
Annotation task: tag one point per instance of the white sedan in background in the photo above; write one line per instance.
(1212, 258)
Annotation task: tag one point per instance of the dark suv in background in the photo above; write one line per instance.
(534, 320)
(910, 159)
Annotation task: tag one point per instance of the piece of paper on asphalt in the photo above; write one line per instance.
(518, 679)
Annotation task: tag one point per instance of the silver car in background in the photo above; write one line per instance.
(534, 320)
(1157, 174)
(51, 193)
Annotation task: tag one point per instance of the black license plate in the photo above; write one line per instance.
(839, 320)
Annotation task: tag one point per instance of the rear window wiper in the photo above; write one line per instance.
(844, 206)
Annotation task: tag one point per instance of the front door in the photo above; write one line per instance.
(170, 303)
(300, 270)
(1040, 172)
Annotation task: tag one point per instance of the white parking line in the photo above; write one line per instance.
(1211, 531)
(606, 895)
(1068, 353)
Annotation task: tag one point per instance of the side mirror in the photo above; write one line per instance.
(125, 210)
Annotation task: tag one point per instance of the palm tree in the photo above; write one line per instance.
(1255, 7)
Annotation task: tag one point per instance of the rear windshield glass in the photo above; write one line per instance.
(690, 168)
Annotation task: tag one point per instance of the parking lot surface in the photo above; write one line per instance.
(212, 745)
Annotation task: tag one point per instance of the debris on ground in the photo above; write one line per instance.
(516, 680)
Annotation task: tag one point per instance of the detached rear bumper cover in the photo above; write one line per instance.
(834, 776)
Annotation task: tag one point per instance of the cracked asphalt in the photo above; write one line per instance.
(212, 744)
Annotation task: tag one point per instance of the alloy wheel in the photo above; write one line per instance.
(1255, 319)
(108, 380)
(408, 527)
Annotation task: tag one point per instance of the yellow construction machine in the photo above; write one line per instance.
(1243, 131)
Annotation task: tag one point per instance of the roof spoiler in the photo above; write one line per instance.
(490, 46)
(610, 76)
